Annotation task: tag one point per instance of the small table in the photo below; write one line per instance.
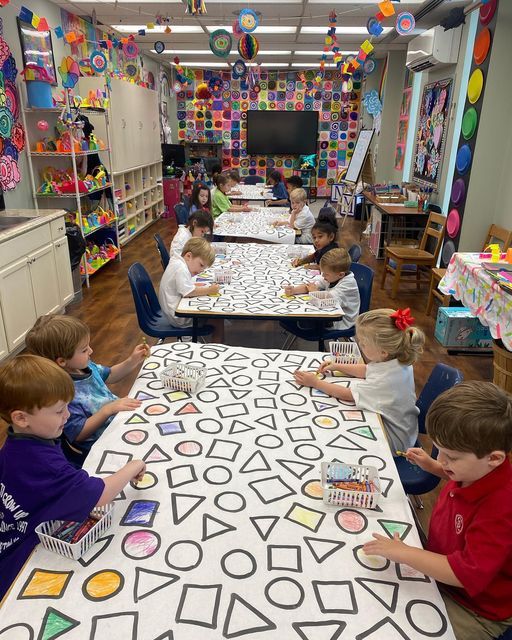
(256, 225)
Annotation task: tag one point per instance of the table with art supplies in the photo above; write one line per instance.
(227, 534)
(256, 225)
(251, 192)
(252, 278)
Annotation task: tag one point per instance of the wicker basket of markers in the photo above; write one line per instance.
(322, 299)
(184, 377)
(345, 353)
(350, 485)
(74, 539)
(223, 275)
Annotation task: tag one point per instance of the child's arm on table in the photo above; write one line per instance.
(203, 290)
(137, 356)
(431, 564)
(98, 419)
(299, 262)
(290, 290)
(308, 379)
(354, 370)
(134, 470)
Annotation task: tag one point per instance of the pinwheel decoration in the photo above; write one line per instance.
(69, 72)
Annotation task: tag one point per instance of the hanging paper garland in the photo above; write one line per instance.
(220, 43)
(196, 7)
(374, 27)
(69, 72)
(130, 50)
(98, 61)
(248, 20)
(405, 23)
(248, 47)
(239, 69)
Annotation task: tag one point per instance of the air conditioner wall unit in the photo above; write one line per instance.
(434, 48)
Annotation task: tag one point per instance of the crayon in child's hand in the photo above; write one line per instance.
(401, 453)
(146, 347)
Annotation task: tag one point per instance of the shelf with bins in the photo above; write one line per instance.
(139, 197)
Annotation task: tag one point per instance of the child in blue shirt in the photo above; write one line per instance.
(37, 483)
(279, 191)
(65, 340)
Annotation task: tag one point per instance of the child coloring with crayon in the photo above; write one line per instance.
(300, 218)
(279, 191)
(201, 199)
(65, 340)
(37, 483)
(199, 224)
(220, 201)
(324, 234)
(390, 344)
(469, 546)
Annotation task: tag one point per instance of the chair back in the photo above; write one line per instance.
(434, 230)
(146, 302)
(441, 378)
(364, 278)
(253, 180)
(181, 212)
(500, 234)
(162, 250)
(355, 252)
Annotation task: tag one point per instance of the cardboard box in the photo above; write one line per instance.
(456, 327)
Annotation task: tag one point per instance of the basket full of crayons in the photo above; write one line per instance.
(350, 485)
(74, 539)
(322, 299)
(223, 275)
(179, 376)
(345, 352)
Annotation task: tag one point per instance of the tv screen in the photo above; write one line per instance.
(173, 153)
(282, 132)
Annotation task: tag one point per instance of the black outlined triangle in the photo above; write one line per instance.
(256, 462)
(314, 364)
(289, 368)
(183, 504)
(242, 619)
(149, 375)
(136, 418)
(293, 414)
(390, 526)
(322, 548)
(156, 454)
(271, 387)
(296, 468)
(272, 356)
(267, 421)
(213, 371)
(236, 356)
(120, 496)
(57, 620)
(380, 591)
(385, 485)
(365, 431)
(239, 394)
(378, 631)
(187, 409)
(264, 525)
(237, 426)
(302, 627)
(144, 395)
(322, 406)
(294, 384)
(167, 635)
(96, 550)
(344, 443)
(231, 369)
(220, 383)
(213, 527)
(155, 580)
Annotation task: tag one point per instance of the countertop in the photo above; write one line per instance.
(37, 219)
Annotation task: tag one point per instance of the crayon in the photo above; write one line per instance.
(401, 453)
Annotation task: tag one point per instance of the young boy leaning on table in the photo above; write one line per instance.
(300, 218)
(469, 547)
(37, 483)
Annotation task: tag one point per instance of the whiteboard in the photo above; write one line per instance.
(357, 161)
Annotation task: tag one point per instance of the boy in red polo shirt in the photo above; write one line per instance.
(469, 548)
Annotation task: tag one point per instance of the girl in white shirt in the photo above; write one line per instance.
(390, 345)
(199, 224)
(300, 218)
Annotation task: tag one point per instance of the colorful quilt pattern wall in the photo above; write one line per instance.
(281, 91)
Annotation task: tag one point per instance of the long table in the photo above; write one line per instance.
(256, 225)
(251, 192)
(227, 536)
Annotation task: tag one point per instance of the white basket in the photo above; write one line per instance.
(220, 248)
(350, 473)
(78, 549)
(345, 352)
(184, 377)
(322, 299)
(223, 276)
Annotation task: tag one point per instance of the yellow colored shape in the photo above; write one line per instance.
(173, 396)
(103, 585)
(150, 25)
(303, 516)
(328, 422)
(150, 366)
(48, 584)
(214, 295)
(148, 480)
(367, 46)
(387, 9)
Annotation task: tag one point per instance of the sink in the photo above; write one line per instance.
(7, 222)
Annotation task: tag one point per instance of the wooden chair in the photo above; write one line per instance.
(499, 234)
(419, 261)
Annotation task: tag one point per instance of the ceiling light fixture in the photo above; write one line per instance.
(158, 28)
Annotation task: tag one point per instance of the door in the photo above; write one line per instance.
(64, 277)
(17, 302)
(45, 284)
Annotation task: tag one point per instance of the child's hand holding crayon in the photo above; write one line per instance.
(326, 366)
(289, 290)
(306, 378)
(212, 289)
(141, 352)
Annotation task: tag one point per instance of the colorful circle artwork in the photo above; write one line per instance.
(248, 47)
(148, 480)
(487, 11)
(458, 191)
(130, 50)
(248, 20)
(220, 43)
(453, 223)
(369, 66)
(405, 23)
(237, 31)
(159, 46)
(482, 46)
(313, 489)
(448, 251)
(475, 86)
(463, 160)
(469, 123)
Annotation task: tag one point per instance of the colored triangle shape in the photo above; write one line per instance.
(322, 406)
(365, 431)
(239, 394)
(296, 468)
(55, 624)
(148, 582)
(213, 527)
(143, 395)
(267, 421)
(239, 427)
(271, 387)
(322, 548)
(156, 454)
(382, 590)
(136, 419)
(242, 619)
(236, 356)
(292, 414)
(342, 442)
(395, 526)
(175, 396)
(188, 408)
(96, 550)
(231, 369)
(264, 525)
(256, 462)
(183, 504)
(324, 630)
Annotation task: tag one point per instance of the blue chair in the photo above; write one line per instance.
(507, 635)
(414, 480)
(150, 316)
(162, 250)
(355, 252)
(181, 212)
(364, 278)
(253, 180)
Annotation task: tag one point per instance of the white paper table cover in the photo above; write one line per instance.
(467, 281)
(251, 192)
(256, 224)
(226, 537)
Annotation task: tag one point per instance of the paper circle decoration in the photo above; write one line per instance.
(453, 223)
(374, 27)
(248, 20)
(131, 70)
(369, 66)
(220, 43)
(448, 251)
(475, 85)
(248, 46)
(159, 46)
(405, 23)
(463, 160)
(487, 11)
(482, 46)
(469, 123)
(130, 50)
(239, 69)
(98, 61)
(458, 191)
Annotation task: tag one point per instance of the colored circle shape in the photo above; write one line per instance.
(220, 43)
(475, 85)
(248, 20)
(313, 489)
(103, 585)
(148, 480)
(159, 46)
(469, 122)
(369, 66)
(463, 160)
(351, 521)
(453, 223)
(447, 253)
(405, 23)
(98, 61)
(482, 46)
(487, 11)
(156, 409)
(458, 191)
(130, 50)
(188, 448)
(140, 544)
(135, 436)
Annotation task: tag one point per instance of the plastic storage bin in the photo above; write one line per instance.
(223, 276)
(345, 352)
(457, 327)
(184, 377)
(350, 473)
(322, 299)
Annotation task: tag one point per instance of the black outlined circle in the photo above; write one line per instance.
(221, 496)
(208, 473)
(232, 574)
(268, 437)
(358, 514)
(20, 625)
(301, 448)
(242, 381)
(184, 567)
(311, 495)
(106, 597)
(149, 534)
(261, 363)
(208, 393)
(326, 422)
(156, 385)
(385, 561)
(370, 461)
(281, 605)
(209, 354)
(294, 399)
(132, 431)
(191, 454)
(428, 634)
(209, 425)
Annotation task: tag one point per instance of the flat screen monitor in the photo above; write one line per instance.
(282, 132)
(173, 153)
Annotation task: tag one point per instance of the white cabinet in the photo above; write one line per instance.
(43, 275)
(64, 277)
(4, 349)
(17, 300)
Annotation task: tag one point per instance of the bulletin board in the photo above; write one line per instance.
(431, 135)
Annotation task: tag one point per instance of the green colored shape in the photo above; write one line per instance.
(391, 527)
(364, 432)
(136, 419)
(55, 624)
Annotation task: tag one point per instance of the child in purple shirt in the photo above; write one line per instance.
(37, 483)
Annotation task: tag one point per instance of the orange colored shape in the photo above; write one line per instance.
(387, 9)
(70, 37)
(46, 584)
(482, 46)
(188, 408)
(103, 585)
(156, 409)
